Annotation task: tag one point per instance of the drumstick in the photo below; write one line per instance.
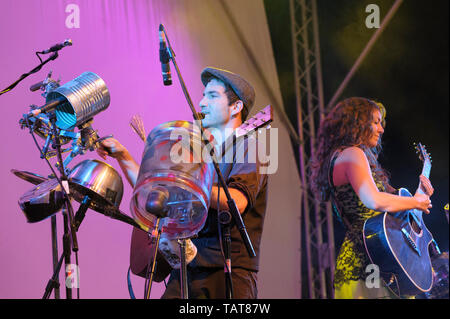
(137, 125)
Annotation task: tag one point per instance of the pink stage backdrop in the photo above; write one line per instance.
(118, 40)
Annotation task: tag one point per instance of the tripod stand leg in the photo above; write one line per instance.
(227, 266)
(53, 283)
(183, 269)
(66, 251)
(158, 236)
(55, 253)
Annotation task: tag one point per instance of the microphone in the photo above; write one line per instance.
(36, 86)
(157, 201)
(164, 57)
(57, 47)
(50, 106)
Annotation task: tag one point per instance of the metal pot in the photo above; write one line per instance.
(98, 180)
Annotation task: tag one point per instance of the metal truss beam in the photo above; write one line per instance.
(317, 222)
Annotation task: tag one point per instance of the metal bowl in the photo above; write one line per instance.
(98, 180)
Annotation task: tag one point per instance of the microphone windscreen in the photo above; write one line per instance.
(156, 202)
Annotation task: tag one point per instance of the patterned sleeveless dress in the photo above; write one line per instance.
(351, 279)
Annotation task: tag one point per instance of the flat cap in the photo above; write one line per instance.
(240, 86)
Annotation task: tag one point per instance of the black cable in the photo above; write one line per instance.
(36, 69)
(78, 277)
(219, 229)
(130, 287)
(37, 54)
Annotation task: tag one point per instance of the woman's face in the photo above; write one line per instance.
(377, 129)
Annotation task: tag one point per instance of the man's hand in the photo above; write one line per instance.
(111, 147)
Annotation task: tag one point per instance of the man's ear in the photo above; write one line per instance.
(236, 108)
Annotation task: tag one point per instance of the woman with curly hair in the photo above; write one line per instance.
(346, 171)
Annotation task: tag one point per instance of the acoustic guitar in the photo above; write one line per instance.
(398, 244)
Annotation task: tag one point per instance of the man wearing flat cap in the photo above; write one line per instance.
(227, 100)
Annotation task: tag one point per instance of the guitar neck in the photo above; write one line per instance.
(426, 169)
(425, 172)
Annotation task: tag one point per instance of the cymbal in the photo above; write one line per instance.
(33, 178)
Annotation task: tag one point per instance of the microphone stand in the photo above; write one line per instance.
(230, 201)
(53, 283)
(36, 69)
(69, 238)
(55, 253)
(54, 232)
(224, 218)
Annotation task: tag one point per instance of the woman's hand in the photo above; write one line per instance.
(423, 202)
(425, 186)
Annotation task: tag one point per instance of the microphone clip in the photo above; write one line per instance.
(57, 47)
(47, 85)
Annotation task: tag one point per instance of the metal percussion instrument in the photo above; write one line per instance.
(93, 178)
(85, 96)
(98, 180)
(173, 183)
(42, 201)
(33, 178)
(94, 184)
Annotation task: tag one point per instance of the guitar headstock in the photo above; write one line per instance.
(262, 118)
(421, 150)
(425, 158)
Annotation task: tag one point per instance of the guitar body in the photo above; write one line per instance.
(141, 256)
(398, 245)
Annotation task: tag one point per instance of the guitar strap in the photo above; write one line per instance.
(334, 204)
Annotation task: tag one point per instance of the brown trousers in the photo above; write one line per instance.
(209, 283)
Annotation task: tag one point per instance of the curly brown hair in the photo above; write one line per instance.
(348, 124)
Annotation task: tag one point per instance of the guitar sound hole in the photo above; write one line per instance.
(415, 227)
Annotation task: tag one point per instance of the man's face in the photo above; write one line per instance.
(215, 105)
